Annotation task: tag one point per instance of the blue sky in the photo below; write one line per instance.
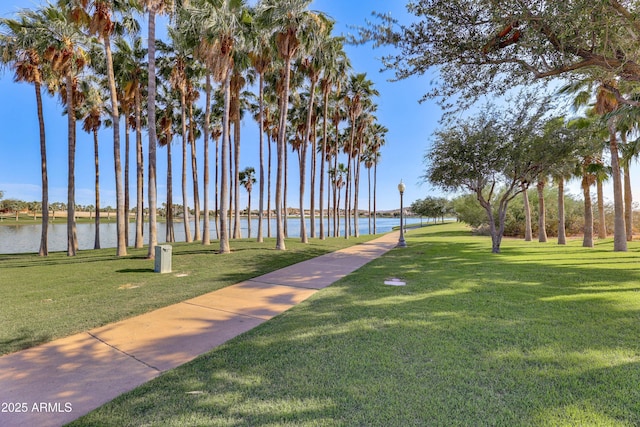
(410, 125)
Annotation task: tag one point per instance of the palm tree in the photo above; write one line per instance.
(194, 133)
(219, 23)
(288, 17)
(260, 56)
(153, 8)
(175, 66)
(92, 110)
(101, 24)
(316, 33)
(165, 137)
(587, 133)
(238, 82)
(379, 134)
(542, 212)
(21, 50)
(334, 66)
(131, 74)
(606, 103)
(66, 56)
(247, 179)
(357, 97)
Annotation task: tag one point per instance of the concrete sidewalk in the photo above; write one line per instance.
(57, 382)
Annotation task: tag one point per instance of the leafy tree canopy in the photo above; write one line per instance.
(490, 46)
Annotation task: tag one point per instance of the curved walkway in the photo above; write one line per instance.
(55, 383)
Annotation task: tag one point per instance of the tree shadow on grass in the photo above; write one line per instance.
(23, 339)
(472, 339)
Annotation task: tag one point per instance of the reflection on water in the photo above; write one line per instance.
(26, 238)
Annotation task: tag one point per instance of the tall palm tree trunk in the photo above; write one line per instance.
(44, 231)
(224, 185)
(375, 185)
(236, 174)
(127, 148)
(170, 232)
(151, 115)
(260, 237)
(619, 229)
(96, 240)
(303, 163)
(282, 132)
(369, 197)
(269, 185)
(587, 240)
(216, 208)
(602, 225)
(139, 174)
(628, 204)
(71, 201)
(323, 154)
(356, 195)
(121, 249)
(562, 233)
(286, 191)
(206, 240)
(194, 177)
(347, 198)
(185, 204)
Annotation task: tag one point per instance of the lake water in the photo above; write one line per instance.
(26, 238)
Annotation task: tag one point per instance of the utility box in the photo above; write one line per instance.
(163, 259)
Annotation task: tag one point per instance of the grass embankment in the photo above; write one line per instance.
(538, 335)
(47, 298)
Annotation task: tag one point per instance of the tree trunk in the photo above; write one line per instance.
(236, 173)
(44, 246)
(194, 176)
(268, 186)
(139, 174)
(96, 241)
(206, 240)
(587, 240)
(628, 204)
(356, 193)
(602, 224)
(284, 106)
(127, 149)
(369, 197)
(375, 184)
(249, 216)
(216, 208)
(121, 215)
(303, 160)
(171, 235)
(562, 234)
(185, 204)
(224, 190)
(542, 213)
(619, 229)
(71, 201)
(323, 155)
(528, 233)
(260, 237)
(151, 114)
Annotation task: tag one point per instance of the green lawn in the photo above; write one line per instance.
(538, 335)
(52, 297)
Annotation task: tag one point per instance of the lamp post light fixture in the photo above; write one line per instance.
(401, 242)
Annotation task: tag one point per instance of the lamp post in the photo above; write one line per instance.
(401, 242)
